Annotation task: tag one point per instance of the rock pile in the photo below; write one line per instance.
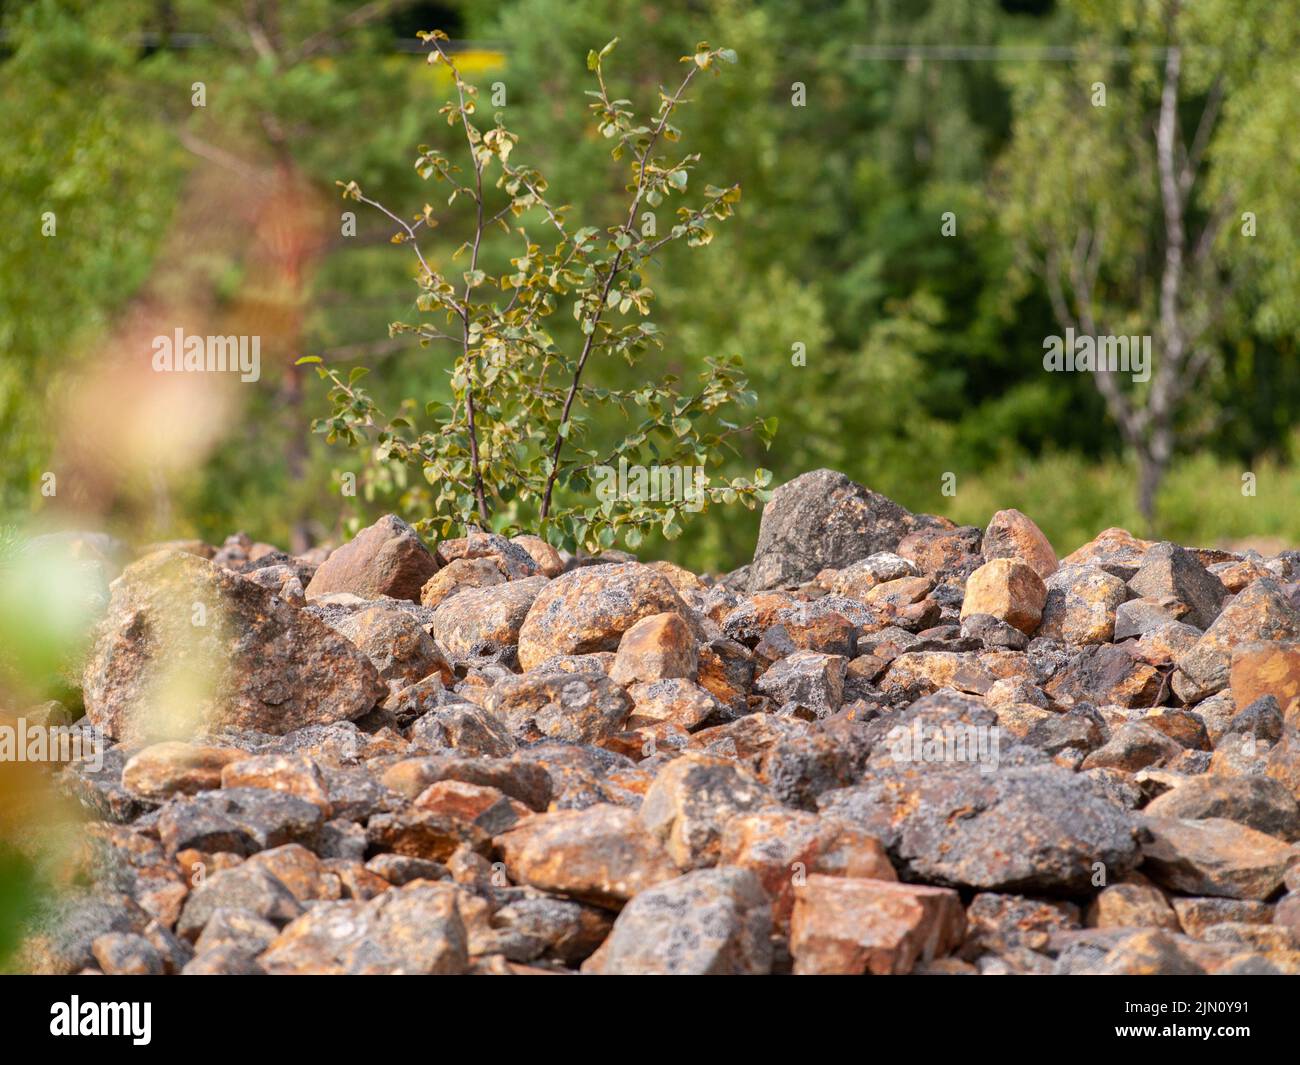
(888, 745)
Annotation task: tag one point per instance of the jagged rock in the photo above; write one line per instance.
(822, 519)
(1260, 612)
(416, 929)
(253, 662)
(603, 854)
(1010, 534)
(484, 623)
(1007, 589)
(851, 926)
(386, 558)
(1214, 857)
(589, 609)
(713, 922)
(1081, 605)
(1172, 572)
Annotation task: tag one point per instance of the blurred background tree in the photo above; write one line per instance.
(898, 162)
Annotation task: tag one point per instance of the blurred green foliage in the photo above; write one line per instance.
(923, 351)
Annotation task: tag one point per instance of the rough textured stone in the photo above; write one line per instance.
(1021, 827)
(173, 768)
(851, 926)
(577, 707)
(1081, 605)
(709, 922)
(589, 609)
(1214, 857)
(1007, 589)
(822, 519)
(1010, 534)
(1259, 802)
(387, 558)
(396, 645)
(692, 798)
(603, 854)
(255, 662)
(1173, 572)
(416, 929)
(1260, 612)
(781, 847)
(807, 679)
(1260, 669)
(658, 647)
(484, 623)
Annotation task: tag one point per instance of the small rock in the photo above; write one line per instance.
(172, 768)
(1214, 857)
(602, 854)
(851, 926)
(709, 922)
(1007, 589)
(385, 559)
(589, 609)
(658, 647)
(1170, 571)
(1010, 534)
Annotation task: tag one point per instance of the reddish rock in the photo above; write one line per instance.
(387, 558)
(1009, 590)
(1010, 534)
(602, 854)
(1261, 612)
(1260, 669)
(851, 926)
(1081, 605)
(1214, 857)
(656, 648)
(165, 769)
(458, 575)
(295, 774)
(589, 609)
(234, 654)
(782, 847)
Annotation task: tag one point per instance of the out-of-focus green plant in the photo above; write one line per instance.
(508, 450)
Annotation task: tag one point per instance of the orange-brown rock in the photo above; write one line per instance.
(602, 854)
(1266, 669)
(1011, 534)
(173, 768)
(1009, 590)
(783, 847)
(657, 647)
(589, 609)
(295, 774)
(852, 926)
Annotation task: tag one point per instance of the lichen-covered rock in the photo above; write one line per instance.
(1025, 827)
(589, 609)
(396, 645)
(818, 520)
(386, 558)
(416, 929)
(576, 707)
(1260, 612)
(712, 922)
(186, 645)
(484, 623)
(690, 802)
(458, 575)
(1081, 605)
(806, 679)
